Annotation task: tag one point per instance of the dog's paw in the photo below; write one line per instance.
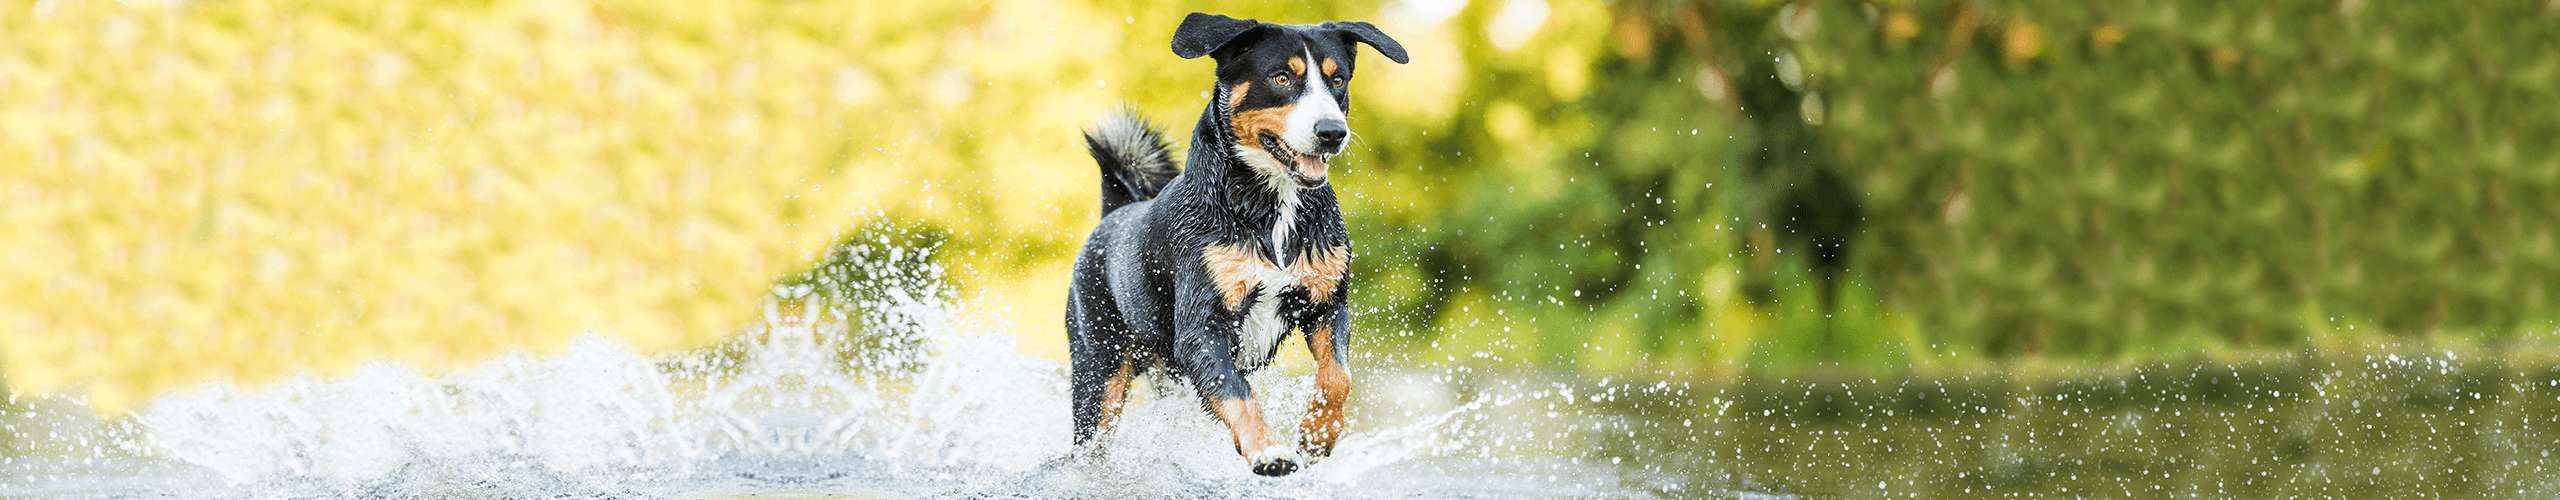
(1275, 461)
(1275, 467)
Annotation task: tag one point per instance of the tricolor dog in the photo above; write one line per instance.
(1207, 270)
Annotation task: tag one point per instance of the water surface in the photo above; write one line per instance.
(905, 399)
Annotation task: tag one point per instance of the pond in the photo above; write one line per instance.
(799, 407)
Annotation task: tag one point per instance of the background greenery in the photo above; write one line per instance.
(2072, 180)
(248, 190)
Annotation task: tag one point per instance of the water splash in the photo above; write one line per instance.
(891, 391)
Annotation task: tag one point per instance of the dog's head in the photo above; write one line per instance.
(1284, 87)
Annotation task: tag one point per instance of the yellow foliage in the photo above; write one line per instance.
(245, 190)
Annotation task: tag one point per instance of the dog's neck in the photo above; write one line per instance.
(1242, 191)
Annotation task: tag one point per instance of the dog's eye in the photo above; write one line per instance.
(1280, 79)
(1338, 81)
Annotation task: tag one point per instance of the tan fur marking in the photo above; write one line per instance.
(1323, 425)
(1115, 394)
(1329, 68)
(1234, 270)
(1320, 272)
(1249, 125)
(1297, 65)
(1244, 420)
(1235, 95)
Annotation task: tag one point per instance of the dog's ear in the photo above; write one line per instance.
(1202, 33)
(1364, 33)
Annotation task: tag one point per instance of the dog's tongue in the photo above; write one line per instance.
(1311, 166)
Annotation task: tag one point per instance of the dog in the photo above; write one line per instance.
(1205, 270)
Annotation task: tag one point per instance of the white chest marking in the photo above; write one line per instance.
(1263, 327)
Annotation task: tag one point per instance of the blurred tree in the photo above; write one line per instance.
(2165, 179)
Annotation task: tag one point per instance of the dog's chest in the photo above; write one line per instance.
(1259, 334)
(1260, 290)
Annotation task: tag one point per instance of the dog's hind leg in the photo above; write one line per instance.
(1098, 367)
(1115, 393)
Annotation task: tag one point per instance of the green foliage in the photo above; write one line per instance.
(2158, 179)
(1778, 186)
(2083, 180)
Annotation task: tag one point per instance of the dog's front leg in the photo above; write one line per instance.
(1329, 341)
(1204, 345)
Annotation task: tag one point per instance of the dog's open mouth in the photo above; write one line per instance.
(1307, 169)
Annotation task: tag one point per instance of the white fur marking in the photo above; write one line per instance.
(1263, 326)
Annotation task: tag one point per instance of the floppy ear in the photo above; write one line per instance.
(1365, 33)
(1202, 33)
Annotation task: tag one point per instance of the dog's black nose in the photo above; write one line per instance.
(1329, 134)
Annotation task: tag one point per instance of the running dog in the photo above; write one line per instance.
(1206, 270)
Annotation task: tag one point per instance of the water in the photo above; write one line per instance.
(892, 393)
(2302, 425)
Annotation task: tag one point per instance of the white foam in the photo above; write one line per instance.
(790, 405)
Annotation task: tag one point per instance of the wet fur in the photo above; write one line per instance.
(1195, 277)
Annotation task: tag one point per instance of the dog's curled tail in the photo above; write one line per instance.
(1135, 162)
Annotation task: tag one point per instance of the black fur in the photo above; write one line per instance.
(1203, 33)
(1365, 33)
(1142, 292)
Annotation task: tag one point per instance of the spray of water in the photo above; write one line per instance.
(889, 389)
